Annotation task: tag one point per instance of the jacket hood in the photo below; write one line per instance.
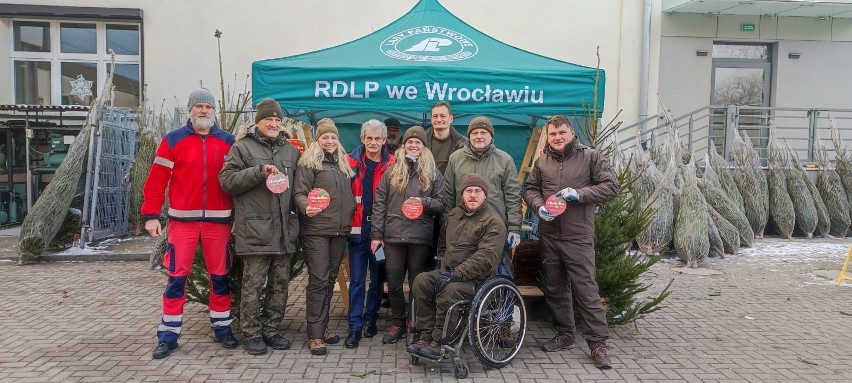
(251, 129)
(468, 150)
(569, 150)
(359, 152)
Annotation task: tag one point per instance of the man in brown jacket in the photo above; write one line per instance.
(582, 177)
(471, 243)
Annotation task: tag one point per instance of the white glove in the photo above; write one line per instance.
(514, 239)
(545, 215)
(569, 194)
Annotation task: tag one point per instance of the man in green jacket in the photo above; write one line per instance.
(471, 242)
(497, 167)
(259, 172)
(582, 177)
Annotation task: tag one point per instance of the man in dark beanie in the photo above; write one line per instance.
(265, 224)
(497, 167)
(394, 131)
(469, 255)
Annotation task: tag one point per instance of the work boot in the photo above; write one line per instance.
(227, 340)
(371, 330)
(256, 346)
(163, 349)
(559, 342)
(353, 339)
(598, 350)
(330, 337)
(395, 332)
(277, 342)
(416, 346)
(431, 350)
(317, 347)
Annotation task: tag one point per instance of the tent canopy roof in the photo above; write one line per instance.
(425, 56)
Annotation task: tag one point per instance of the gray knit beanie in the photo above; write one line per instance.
(201, 95)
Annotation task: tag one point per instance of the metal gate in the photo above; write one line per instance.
(106, 203)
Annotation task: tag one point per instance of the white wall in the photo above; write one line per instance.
(180, 50)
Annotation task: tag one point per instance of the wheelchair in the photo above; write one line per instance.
(494, 322)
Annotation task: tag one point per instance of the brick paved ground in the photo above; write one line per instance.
(763, 316)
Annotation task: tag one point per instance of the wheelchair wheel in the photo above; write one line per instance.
(498, 322)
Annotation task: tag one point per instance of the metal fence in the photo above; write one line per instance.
(112, 148)
(713, 127)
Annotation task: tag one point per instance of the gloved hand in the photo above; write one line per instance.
(443, 280)
(545, 215)
(569, 194)
(514, 239)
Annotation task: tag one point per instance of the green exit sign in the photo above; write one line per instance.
(746, 27)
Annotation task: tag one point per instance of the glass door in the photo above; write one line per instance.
(741, 76)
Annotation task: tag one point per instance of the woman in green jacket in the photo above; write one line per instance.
(323, 178)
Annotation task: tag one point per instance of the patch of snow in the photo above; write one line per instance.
(76, 250)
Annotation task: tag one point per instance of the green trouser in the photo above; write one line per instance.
(569, 268)
(263, 294)
(322, 259)
(430, 308)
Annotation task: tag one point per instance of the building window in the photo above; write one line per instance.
(49, 55)
(32, 82)
(32, 36)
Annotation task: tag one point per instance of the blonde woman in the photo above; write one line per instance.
(323, 229)
(408, 198)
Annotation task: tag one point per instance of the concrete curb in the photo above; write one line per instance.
(86, 258)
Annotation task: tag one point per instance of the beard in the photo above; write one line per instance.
(202, 123)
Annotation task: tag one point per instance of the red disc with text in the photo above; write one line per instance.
(318, 198)
(412, 208)
(277, 183)
(555, 205)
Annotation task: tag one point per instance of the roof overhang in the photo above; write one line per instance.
(773, 8)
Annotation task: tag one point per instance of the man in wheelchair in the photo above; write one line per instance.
(470, 247)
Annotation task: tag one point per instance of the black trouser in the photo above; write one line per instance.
(401, 259)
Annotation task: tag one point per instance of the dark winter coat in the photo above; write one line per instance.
(336, 219)
(264, 222)
(390, 225)
(581, 168)
(472, 242)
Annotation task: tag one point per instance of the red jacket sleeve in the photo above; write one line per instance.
(154, 191)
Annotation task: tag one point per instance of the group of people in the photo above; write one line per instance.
(438, 208)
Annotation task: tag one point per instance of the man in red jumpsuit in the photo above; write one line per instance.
(187, 162)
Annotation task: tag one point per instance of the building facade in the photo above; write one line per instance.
(692, 53)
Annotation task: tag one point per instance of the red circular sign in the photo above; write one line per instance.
(555, 205)
(412, 208)
(277, 183)
(318, 198)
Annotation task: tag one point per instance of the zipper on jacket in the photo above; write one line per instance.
(204, 181)
(339, 188)
(559, 221)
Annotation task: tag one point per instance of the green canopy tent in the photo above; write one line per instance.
(426, 56)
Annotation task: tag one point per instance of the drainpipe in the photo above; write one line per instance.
(645, 67)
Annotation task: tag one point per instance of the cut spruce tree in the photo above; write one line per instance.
(617, 224)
